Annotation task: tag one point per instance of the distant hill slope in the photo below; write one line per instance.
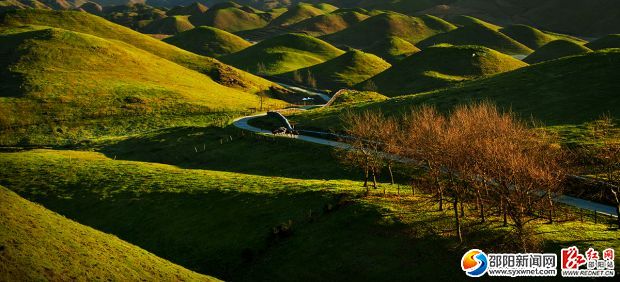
(555, 50)
(441, 66)
(343, 71)
(478, 34)
(533, 37)
(52, 74)
(38, 244)
(195, 8)
(392, 49)
(86, 23)
(329, 23)
(231, 18)
(282, 54)
(607, 41)
(353, 96)
(463, 20)
(554, 92)
(300, 12)
(168, 25)
(376, 28)
(208, 41)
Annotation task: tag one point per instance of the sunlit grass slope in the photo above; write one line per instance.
(373, 29)
(329, 23)
(90, 24)
(231, 18)
(555, 92)
(392, 49)
(555, 50)
(208, 41)
(38, 244)
(535, 38)
(300, 12)
(282, 54)
(478, 34)
(55, 75)
(441, 66)
(168, 25)
(345, 70)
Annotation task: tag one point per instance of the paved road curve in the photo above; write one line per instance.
(567, 200)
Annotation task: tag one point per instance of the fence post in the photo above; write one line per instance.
(595, 217)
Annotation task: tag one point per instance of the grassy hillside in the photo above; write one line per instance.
(463, 20)
(168, 25)
(478, 34)
(555, 50)
(354, 96)
(52, 76)
(441, 66)
(553, 92)
(392, 49)
(208, 41)
(607, 41)
(343, 71)
(282, 54)
(231, 19)
(195, 8)
(300, 12)
(89, 24)
(38, 244)
(376, 28)
(329, 23)
(533, 37)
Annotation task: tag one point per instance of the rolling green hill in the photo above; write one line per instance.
(329, 23)
(343, 71)
(168, 25)
(300, 12)
(231, 18)
(55, 75)
(38, 244)
(86, 23)
(441, 66)
(463, 20)
(533, 37)
(553, 92)
(607, 41)
(392, 49)
(195, 8)
(555, 50)
(478, 34)
(353, 96)
(208, 41)
(368, 32)
(282, 54)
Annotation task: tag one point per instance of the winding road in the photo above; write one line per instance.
(242, 123)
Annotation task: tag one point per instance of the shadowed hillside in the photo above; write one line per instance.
(301, 12)
(533, 37)
(208, 41)
(168, 25)
(343, 71)
(38, 244)
(441, 66)
(555, 50)
(231, 17)
(392, 49)
(607, 41)
(282, 54)
(376, 28)
(329, 23)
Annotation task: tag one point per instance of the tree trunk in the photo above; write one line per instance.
(391, 174)
(457, 219)
(366, 177)
(374, 179)
(439, 193)
(462, 209)
(503, 207)
(551, 207)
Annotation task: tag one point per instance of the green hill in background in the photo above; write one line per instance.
(168, 25)
(368, 32)
(231, 17)
(392, 49)
(441, 66)
(343, 71)
(607, 41)
(208, 41)
(329, 23)
(555, 50)
(282, 54)
(300, 12)
(38, 244)
(478, 34)
(533, 37)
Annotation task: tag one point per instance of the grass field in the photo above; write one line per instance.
(208, 41)
(439, 67)
(553, 93)
(282, 54)
(38, 244)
